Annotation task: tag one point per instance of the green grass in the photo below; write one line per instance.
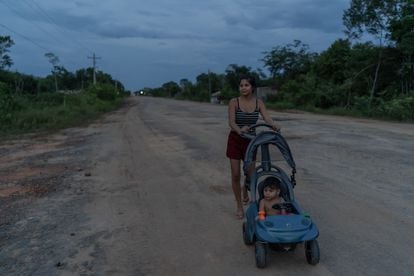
(52, 112)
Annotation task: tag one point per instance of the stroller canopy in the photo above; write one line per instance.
(267, 138)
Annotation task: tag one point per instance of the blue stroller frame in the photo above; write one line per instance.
(279, 231)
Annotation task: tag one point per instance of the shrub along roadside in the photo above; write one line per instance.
(400, 109)
(50, 111)
(309, 94)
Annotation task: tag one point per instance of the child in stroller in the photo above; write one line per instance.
(270, 197)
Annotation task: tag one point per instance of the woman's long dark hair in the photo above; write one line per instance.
(250, 80)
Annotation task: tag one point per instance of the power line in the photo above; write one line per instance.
(40, 11)
(36, 8)
(53, 22)
(30, 40)
(25, 37)
(31, 22)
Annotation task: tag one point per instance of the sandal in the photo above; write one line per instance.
(246, 200)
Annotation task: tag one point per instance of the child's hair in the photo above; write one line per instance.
(272, 182)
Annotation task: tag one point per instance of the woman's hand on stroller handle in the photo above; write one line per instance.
(270, 126)
(245, 129)
(253, 128)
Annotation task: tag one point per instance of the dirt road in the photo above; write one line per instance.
(146, 191)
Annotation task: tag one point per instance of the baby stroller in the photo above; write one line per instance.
(280, 231)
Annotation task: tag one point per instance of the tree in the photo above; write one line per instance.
(333, 63)
(54, 60)
(171, 88)
(84, 77)
(5, 60)
(186, 88)
(402, 31)
(234, 72)
(376, 17)
(370, 16)
(209, 82)
(67, 79)
(287, 62)
(185, 84)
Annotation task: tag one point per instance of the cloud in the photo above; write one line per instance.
(178, 39)
(268, 15)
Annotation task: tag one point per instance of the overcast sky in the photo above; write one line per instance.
(148, 43)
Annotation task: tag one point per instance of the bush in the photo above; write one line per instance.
(44, 111)
(300, 92)
(104, 92)
(8, 104)
(227, 94)
(361, 103)
(401, 108)
(308, 91)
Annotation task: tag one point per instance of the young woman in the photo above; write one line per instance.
(243, 112)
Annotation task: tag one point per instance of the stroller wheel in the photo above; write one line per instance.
(246, 238)
(312, 252)
(247, 182)
(260, 251)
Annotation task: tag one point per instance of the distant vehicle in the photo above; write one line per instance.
(139, 93)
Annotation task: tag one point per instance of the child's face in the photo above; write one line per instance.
(270, 193)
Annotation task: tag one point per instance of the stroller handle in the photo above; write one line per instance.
(253, 127)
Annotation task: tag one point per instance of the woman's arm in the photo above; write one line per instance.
(266, 116)
(232, 116)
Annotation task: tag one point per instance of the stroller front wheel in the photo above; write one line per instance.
(261, 254)
(312, 252)
(247, 240)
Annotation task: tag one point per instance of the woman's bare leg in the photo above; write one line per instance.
(245, 192)
(235, 184)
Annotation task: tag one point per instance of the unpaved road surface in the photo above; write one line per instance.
(146, 191)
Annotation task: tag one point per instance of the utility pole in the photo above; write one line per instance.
(94, 58)
(209, 82)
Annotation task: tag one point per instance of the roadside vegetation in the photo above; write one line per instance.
(351, 77)
(50, 110)
(31, 104)
(59, 100)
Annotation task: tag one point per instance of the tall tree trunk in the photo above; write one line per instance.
(411, 78)
(374, 84)
(56, 87)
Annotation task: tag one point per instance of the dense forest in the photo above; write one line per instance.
(353, 76)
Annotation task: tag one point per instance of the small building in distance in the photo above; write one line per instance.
(265, 91)
(215, 97)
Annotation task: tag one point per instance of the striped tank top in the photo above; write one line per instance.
(246, 118)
